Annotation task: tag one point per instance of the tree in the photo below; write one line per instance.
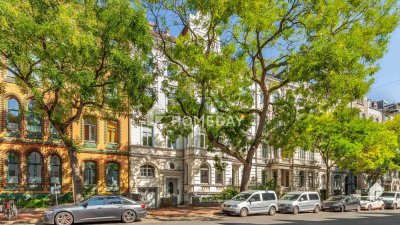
(231, 52)
(378, 149)
(73, 56)
(332, 136)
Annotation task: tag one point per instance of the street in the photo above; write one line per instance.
(387, 217)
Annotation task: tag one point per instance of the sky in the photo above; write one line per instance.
(387, 80)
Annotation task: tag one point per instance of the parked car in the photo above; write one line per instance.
(341, 203)
(298, 201)
(96, 209)
(252, 202)
(370, 202)
(391, 199)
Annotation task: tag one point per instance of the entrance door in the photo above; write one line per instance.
(149, 196)
(172, 186)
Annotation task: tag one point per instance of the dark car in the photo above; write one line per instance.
(341, 203)
(96, 209)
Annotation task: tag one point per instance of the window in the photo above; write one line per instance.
(275, 97)
(147, 171)
(34, 122)
(313, 196)
(263, 177)
(95, 201)
(13, 116)
(302, 154)
(113, 201)
(12, 169)
(256, 197)
(268, 196)
(202, 140)
(311, 155)
(304, 197)
(264, 152)
(112, 175)
(337, 181)
(310, 179)
(10, 74)
(89, 177)
(171, 143)
(55, 170)
(219, 176)
(112, 132)
(147, 136)
(323, 181)
(302, 179)
(204, 174)
(35, 163)
(90, 129)
(53, 132)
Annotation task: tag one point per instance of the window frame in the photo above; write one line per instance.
(147, 171)
(18, 115)
(92, 179)
(37, 168)
(203, 169)
(147, 135)
(91, 138)
(59, 168)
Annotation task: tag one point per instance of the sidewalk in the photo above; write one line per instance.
(33, 217)
(184, 213)
(161, 214)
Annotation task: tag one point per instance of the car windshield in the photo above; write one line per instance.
(365, 198)
(336, 198)
(387, 194)
(241, 197)
(290, 197)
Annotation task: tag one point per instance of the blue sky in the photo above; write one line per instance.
(387, 80)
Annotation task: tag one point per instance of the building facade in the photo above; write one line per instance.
(33, 158)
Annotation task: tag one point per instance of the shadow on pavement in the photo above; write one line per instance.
(384, 218)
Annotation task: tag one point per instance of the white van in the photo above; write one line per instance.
(252, 202)
(300, 201)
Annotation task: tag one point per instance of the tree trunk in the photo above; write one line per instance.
(328, 182)
(77, 184)
(244, 186)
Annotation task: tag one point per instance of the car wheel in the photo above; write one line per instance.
(369, 207)
(383, 207)
(295, 210)
(358, 209)
(244, 212)
(272, 211)
(395, 206)
(63, 218)
(128, 216)
(316, 209)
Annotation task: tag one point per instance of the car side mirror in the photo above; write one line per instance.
(85, 204)
(301, 199)
(252, 200)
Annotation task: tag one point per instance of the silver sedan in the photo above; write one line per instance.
(96, 209)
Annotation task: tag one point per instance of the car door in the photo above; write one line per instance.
(355, 202)
(255, 204)
(347, 203)
(92, 209)
(268, 199)
(304, 202)
(113, 208)
(397, 199)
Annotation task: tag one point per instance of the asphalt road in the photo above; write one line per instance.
(387, 217)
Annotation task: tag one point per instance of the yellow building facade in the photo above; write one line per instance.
(33, 158)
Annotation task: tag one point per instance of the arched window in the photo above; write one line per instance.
(89, 176)
(55, 170)
(13, 116)
(12, 169)
(204, 174)
(147, 171)
(302, 179)
(112, 175)
(90, 129)
(337, 181)
(35, 163)
(112, 132)
(34, 120)
(310, 179)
